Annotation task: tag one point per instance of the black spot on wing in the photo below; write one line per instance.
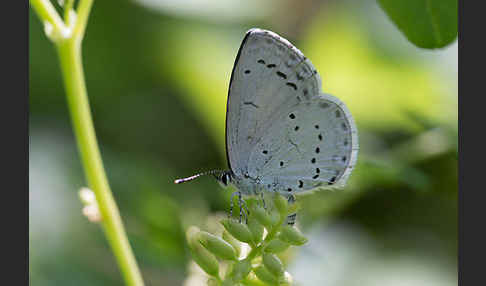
(281, 74)
(291, 84)
(250, 103)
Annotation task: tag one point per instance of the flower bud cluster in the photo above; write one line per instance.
(265, 233)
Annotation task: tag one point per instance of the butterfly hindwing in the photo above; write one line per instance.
(314, 146)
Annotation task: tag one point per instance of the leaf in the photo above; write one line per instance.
(428, 24)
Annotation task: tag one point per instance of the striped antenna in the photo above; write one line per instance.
(188, 179)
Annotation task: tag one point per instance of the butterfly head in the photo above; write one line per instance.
(224, 178)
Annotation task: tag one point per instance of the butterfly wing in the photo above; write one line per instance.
(274, 104)
(315, 147)
(266, 70)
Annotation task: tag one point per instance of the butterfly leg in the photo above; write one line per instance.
(263, 200)
(291, 217)
(242, 204)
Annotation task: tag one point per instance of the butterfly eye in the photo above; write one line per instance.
(225, 179)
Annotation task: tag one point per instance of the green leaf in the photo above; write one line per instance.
(428, 24)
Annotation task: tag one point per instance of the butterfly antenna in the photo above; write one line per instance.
(212, 172)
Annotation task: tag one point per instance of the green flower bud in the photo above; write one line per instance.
(265, 276)
(274, 218)
(256, 229)
(241, 270)
(217, 246)
(292, 235)
(231, 240)
(237, 230)
(273, 264)
(281, 204)
(201, 256)
(262, 216)
(276, 246)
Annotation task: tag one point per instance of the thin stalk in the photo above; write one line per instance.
(47, 12)
(70, 58)
(69, 52)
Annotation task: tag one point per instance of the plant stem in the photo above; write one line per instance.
(256, 251)
(70, 58)
(69, 52)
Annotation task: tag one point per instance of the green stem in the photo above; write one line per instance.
(67, 8)
(69, 52)
(257, 251)
(70, 58)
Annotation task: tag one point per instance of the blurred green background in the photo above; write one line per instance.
(157, 73)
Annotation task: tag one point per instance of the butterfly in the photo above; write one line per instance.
(283, 134)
